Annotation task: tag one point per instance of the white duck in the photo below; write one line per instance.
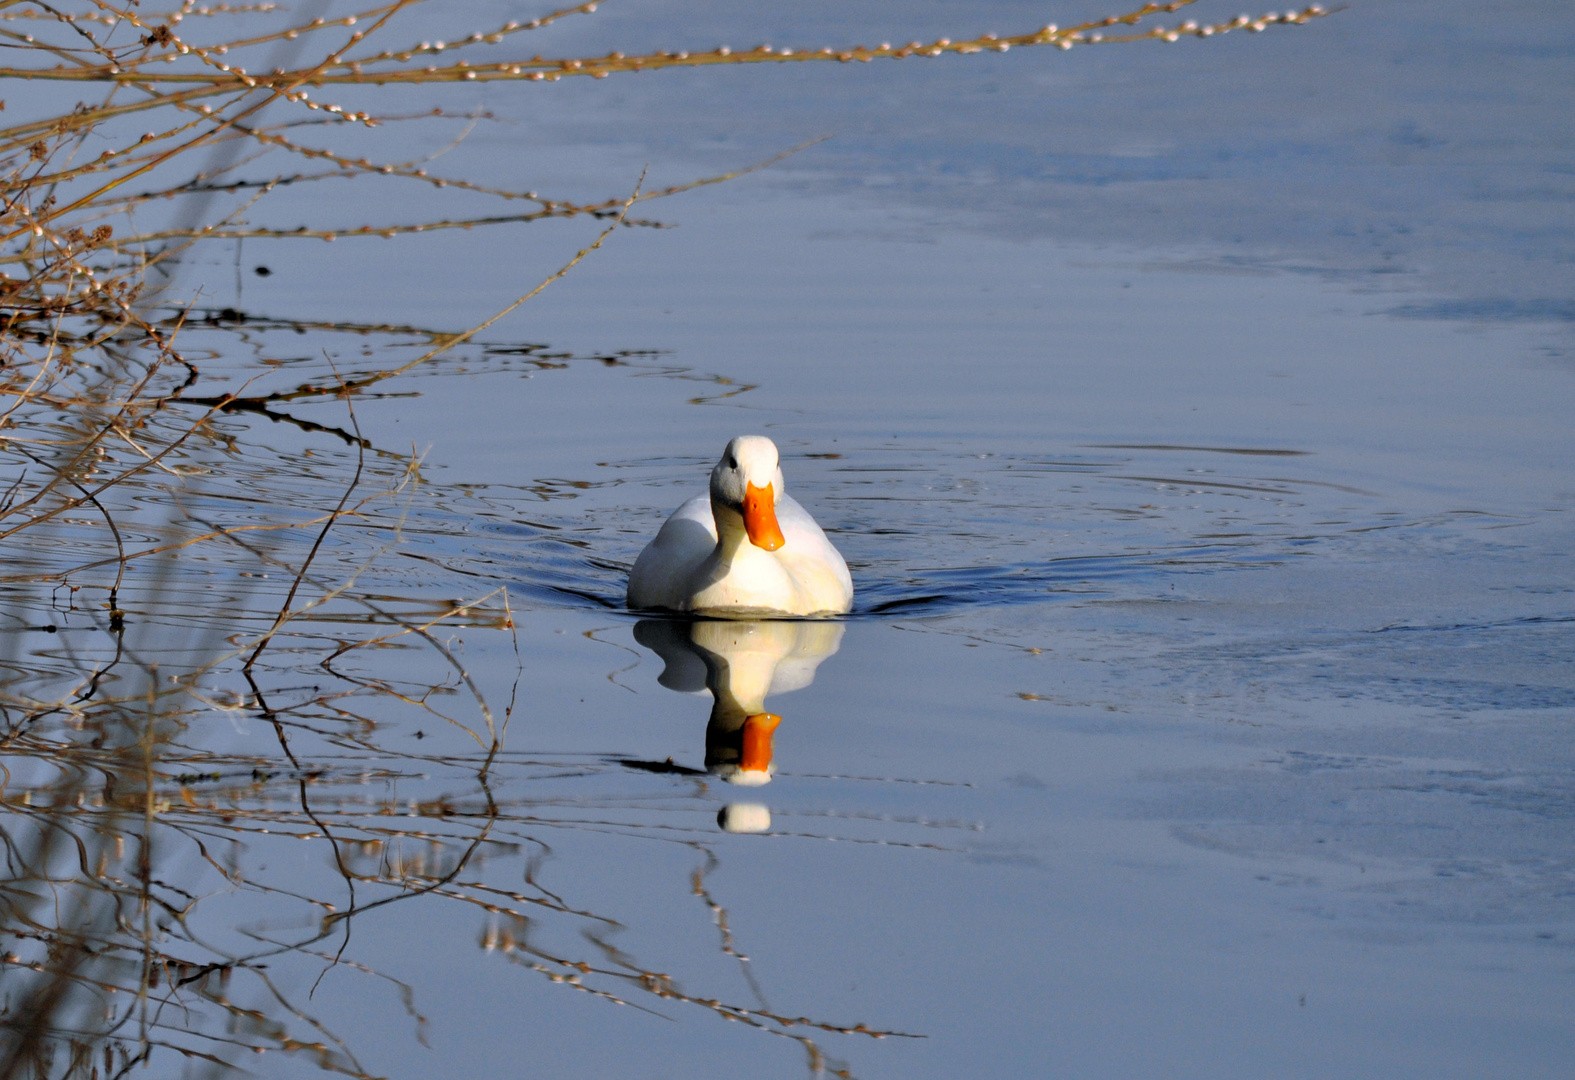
(745, 550)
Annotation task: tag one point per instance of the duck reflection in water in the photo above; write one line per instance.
(740, 662)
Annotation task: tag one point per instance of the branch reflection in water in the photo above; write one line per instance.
(172, 893)
(740, 662)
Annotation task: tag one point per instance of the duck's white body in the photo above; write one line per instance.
(747, 549)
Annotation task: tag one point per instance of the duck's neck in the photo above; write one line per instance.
(731, 536)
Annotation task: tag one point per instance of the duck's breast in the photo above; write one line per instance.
(750, 582)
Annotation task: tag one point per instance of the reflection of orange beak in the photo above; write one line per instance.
(757, 742)
(760, 517)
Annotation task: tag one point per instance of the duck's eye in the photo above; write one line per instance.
(732, 463)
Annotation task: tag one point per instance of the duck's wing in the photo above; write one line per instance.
(662, 572)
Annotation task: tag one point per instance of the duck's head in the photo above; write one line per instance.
(747, 481)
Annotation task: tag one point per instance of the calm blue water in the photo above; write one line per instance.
(1195, 420)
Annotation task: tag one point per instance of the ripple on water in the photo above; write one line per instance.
(938, 531)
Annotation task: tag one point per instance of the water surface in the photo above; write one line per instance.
(1203, 466)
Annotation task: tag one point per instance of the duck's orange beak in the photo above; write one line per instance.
(760, 517)
(757, 742)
